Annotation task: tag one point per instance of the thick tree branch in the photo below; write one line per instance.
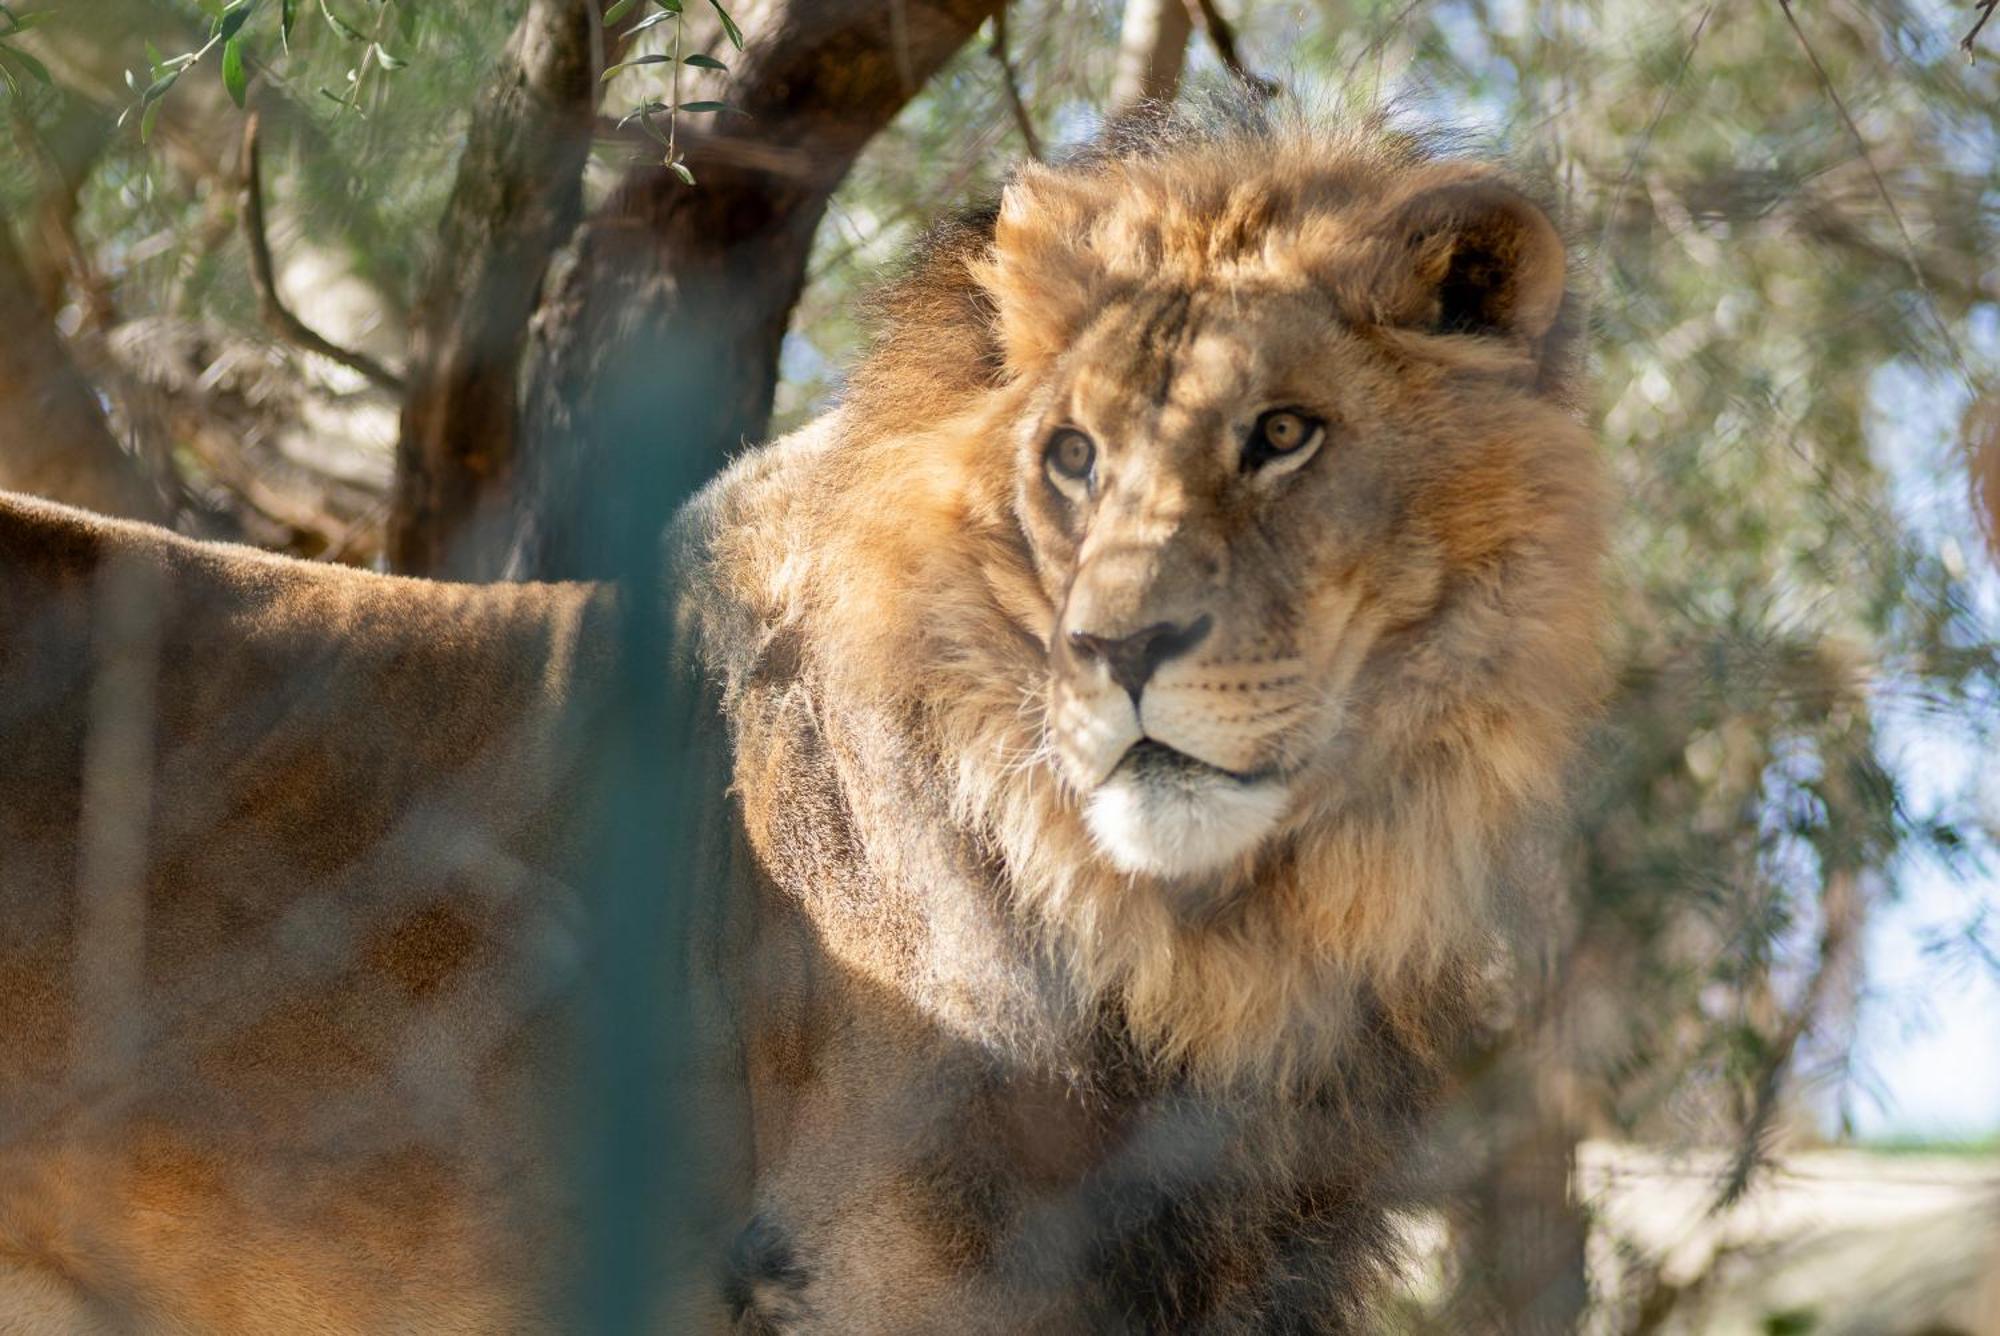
(518, 194)
(263, 277)
(675, 294)
(1152, 48)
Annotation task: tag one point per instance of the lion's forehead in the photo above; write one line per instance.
(1194, 352)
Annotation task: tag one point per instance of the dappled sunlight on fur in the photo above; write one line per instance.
(1433, 659)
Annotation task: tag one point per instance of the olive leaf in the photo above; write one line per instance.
(728, 25)
(234, 81)
(653, 59)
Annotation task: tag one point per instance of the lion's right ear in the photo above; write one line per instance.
(1042, 273)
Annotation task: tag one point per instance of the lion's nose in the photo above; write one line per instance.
(1134, 659)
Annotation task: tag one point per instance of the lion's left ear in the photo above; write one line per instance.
(1475, 257)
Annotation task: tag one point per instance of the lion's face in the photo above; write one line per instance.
(1257, 483)
(1212, 503)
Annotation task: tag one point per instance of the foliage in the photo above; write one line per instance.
(16, 63)
(645, 114)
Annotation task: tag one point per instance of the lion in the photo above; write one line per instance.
(1157, 676)
(1142, 694)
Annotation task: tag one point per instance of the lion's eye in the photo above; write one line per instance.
(1070, 456)
(1283, 435)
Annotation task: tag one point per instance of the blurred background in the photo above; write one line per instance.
(346, 278)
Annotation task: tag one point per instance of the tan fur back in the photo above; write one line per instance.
(284, 857)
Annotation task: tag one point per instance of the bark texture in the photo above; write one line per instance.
(517, 196)
(671, 289)
(54, 441)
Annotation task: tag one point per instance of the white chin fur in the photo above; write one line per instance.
(1177, 830)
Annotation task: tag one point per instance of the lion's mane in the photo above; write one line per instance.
(870, 573)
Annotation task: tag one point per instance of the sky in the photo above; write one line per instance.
(1929, 1025)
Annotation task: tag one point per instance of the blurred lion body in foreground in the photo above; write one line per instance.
(1140, 692)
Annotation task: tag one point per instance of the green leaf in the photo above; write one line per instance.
(234, 81)
(680, 169)
(233, 19)
(158, 88)
(636, 60)
(36, 70)
(728, 25)
(639, 112)
(341, 25)
(704, 62)
(146, 119)
(654, 21)
(390, 62)
(619, 9)
(288, 13)
(707, 106)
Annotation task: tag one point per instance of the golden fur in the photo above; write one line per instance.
(283, 899)
(1397, 650)
(1020, 1043)
(893, 544)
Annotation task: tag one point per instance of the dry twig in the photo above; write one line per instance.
(1966, 42)
(264, 279)
(1012, 85)
(1909, 245)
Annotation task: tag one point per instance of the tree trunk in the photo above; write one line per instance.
(54, 441)
(1152, 47)
(1528, 1242)
(518, 194)
(672, 287)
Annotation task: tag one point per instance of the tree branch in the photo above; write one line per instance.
(675, 298)
(264, 278)
(1011, 85)
(1966, 43)
(1222, 37)
(54, 440)
(517, 196)
(1152, 47)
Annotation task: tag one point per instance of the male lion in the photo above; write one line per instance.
(1139, 693)
(1149, 678)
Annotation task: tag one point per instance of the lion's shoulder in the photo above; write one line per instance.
(740, 547)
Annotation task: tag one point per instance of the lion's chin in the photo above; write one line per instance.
(1182, 820)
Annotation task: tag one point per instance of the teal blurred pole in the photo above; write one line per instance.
(632, 1149)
